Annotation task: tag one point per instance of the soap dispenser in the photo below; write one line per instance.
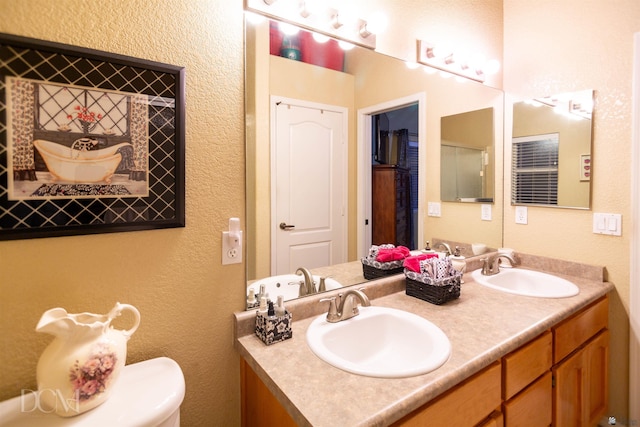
(458, 262)
(427, 249)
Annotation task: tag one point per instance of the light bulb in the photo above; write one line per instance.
(345, 45)
(288, 29)
(320, 38)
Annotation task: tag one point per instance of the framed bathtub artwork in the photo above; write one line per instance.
(90, 142)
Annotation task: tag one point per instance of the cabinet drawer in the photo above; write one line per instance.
(465, 405)
(532, 407)
(575, 331)
(526, 364)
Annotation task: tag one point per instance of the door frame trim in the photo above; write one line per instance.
(272, 154)
(364, 120)
(634, 283)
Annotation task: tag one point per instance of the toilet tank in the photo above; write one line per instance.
(148, 394)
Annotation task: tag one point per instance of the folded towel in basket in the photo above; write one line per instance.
(392, 254)
(413, 262)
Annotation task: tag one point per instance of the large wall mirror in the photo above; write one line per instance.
(356, 85)
(551, 151)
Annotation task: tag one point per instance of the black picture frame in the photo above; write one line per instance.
(64, 111)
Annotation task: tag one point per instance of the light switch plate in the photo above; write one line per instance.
(485, 214)
(606, 223)
(433, 209)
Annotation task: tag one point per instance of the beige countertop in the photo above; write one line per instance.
(482, 325)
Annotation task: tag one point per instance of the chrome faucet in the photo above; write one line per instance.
(309, 286)
(347, 306)
(491, 265)
(444, 245)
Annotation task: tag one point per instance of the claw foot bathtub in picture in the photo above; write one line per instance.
(66, 164)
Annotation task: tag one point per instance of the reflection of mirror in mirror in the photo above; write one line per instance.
(363, 80)
(551, 151)
(466, 157)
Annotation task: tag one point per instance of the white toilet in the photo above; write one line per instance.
(147, 394)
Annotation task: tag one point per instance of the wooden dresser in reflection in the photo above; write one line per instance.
(391, 205)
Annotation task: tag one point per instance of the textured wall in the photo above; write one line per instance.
(174, 277)
(567, 46)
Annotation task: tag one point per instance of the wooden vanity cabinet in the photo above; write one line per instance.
(495, 420)
(467, 404)
(259, 406)
(526, 383)
(581, 391)
(560, 378)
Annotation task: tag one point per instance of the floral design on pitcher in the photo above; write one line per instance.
(91, 378)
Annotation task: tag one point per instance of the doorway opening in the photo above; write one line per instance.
(394, 198)
(366, 150)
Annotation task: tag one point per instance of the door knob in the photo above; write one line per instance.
(285, 226)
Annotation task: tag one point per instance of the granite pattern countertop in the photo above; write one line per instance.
(482, 325)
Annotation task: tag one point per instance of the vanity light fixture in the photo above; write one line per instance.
(311, 15)
(449, 62)
(335, 21)
(575, 105)
(304, 10)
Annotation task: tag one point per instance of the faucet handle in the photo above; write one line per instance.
(332, 315)
(302, 290)
(322, 286)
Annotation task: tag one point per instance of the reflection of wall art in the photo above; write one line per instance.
(585, 167)
(90, 142)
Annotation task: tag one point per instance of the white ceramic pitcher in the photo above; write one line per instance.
(77, 371)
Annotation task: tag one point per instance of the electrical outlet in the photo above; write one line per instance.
(231, 254)
(521, 214)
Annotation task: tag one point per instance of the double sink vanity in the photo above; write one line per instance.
(486, 358)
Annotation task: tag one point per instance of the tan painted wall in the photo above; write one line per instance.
(174, 277)
(569, 45)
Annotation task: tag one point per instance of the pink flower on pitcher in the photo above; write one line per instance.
(91, 378)
(90, 387)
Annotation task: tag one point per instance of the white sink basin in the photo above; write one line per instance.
(527, 282)
(380, 342)
(279, 285)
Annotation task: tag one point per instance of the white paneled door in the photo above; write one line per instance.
(309, 185)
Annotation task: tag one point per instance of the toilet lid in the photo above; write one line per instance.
(146, 393)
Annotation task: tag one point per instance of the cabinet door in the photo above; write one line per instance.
(597, 362)
(581, 385)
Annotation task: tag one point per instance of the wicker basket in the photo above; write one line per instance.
(436, 292)
(376, 270)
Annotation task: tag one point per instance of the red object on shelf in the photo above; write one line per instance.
(327, 55)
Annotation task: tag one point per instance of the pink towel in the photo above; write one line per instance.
(413, 262)
(396, 254)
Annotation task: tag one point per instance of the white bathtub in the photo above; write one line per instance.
(66, 164)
